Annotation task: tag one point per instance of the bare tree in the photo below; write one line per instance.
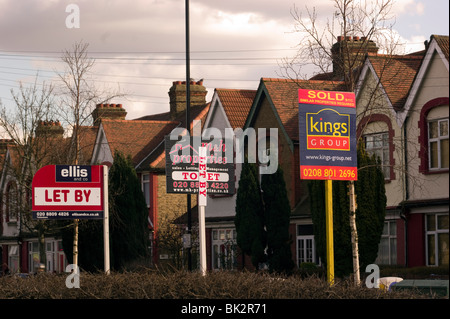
(367, 20)
(78, 96)
(34, 140)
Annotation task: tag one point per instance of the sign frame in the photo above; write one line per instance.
(182, 175)
(68, 192)
(327, 135)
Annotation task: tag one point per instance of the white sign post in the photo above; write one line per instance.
(202, 187)
(106, 220)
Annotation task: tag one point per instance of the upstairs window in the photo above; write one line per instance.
(438, 155)
(145, 182)
(378, 145)
(11, 203)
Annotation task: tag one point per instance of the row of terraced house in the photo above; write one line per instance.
(402, 116)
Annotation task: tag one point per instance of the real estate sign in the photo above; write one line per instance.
(68, 192)
(327, 135)
(182, 166)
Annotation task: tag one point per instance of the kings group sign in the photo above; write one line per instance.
(68, 192)
(327, 132)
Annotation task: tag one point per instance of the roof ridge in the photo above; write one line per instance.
(223, 89)
(142, 121)
(298, 80)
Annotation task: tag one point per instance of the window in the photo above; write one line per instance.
(378, 145)
(387, 249)
(438, 144)
(224, 248)
(13, 258)
(305, 246)
(33, 256)
(11, 203)
(306, 250)
(437, 239)
(146, 187)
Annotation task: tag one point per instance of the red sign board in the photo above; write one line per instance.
(68, 192)
(327, 135)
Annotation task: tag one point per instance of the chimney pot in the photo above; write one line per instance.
(339, 38)
(119, 105)
(355, 38)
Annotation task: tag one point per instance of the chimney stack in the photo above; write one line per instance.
(108, 111)
(356, 46)
(49, 129)
(177, 95)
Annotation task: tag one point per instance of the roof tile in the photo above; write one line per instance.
(284, 95)
(237, 104)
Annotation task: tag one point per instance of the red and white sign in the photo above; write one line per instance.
(193, 176)
(68, 192)
(327, 135)
(202, 177)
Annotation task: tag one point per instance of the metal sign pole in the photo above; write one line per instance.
(329, 229)
(188, 121)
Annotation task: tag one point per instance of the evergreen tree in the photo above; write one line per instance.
(370, 214)
(128, 223)
(371, 206)
(249, 219)
(277, 212)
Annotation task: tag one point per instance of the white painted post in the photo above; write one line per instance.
(202, 186)
(106, 220)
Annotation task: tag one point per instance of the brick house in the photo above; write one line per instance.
(276, 106)
(402, 107)
(19, 243)
(229, 110)
(143, 140)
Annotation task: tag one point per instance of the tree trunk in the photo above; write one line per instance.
(354, 233)
(75, 243)
(42, 254)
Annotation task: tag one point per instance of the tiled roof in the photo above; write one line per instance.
(237, 104)
(155, 157)
(442, 41)
(396, 74)
(87, 138)
(136, 138)
(283, 93)
(195, 112)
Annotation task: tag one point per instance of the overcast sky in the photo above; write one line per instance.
(140, 44)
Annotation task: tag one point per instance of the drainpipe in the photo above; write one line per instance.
(403, 212)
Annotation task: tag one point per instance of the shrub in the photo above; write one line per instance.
(151, 284)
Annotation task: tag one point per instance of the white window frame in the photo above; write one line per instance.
(13, 258)
(307, 259)
(388, 235)
(33, 251)
(229, 241)
(436, 140)
(145, 186)
(381, 150)
(435, 233)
